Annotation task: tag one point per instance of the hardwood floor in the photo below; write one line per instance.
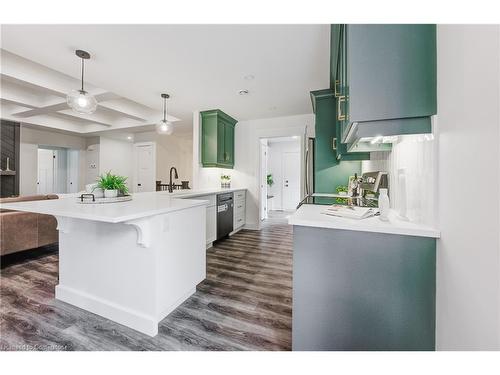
(245, 303)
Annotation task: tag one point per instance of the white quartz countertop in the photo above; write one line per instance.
(311, 216)
(197, 193)
(142, 205)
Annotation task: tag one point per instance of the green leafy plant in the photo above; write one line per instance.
(270, 180)
(225, 177)
(110, 181)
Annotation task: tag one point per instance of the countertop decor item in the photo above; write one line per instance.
(225, 181)
(91, 199)
(112, 185)
(165, 127)
(384, 205)
(80, 100)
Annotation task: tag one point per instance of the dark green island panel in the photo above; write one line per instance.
(217, 139)
(356, 290)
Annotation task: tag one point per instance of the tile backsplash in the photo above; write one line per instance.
(415, 155)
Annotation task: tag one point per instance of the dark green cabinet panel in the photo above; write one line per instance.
(217, 139)
(329, 171)
(383, 72)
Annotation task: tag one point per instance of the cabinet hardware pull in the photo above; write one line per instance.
(340, 116)
(334, 144)
(336, 93)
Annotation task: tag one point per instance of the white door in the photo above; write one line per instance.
(45, 182)
(145, 167)
(291, 180)
(73, 169)
(263, 181)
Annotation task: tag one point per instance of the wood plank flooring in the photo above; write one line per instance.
(245, 303)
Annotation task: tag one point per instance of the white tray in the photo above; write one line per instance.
(88, 200)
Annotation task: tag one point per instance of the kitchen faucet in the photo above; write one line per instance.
(171, 185)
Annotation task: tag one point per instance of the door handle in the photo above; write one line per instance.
(336, 93)
(139, 184)
(340, 116)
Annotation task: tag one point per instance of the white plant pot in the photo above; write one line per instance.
(98, 192)
(110, 193)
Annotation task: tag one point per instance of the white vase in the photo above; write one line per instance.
(98, 192)
(110, 193)
(383, 205)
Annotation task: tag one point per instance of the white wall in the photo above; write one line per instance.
(30, 139)
(468, 254)
(247, 159)
(275, 167)
(116, 156)
(175, 150)
(92, 163)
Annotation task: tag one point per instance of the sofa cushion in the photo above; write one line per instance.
(47, 233)
(18, 231)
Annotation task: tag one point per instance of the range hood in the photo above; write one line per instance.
(379, 135)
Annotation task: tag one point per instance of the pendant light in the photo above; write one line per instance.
(165, 127)
(80, 100)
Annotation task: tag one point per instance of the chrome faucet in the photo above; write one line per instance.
(176, 176)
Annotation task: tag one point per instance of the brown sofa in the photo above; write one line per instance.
(25, 230)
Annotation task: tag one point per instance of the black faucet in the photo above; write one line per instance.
(171, 185)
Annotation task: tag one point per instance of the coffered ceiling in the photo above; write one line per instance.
(200, 66)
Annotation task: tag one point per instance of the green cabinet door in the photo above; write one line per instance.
(229, 144)
(217, 139)
(388, 73)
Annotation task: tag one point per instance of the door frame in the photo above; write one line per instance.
(299, 131)
(134, 158)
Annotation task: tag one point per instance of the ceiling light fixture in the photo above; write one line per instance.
(80, 100)
(165, 127)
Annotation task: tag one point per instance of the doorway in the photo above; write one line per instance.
(281, 177)
(58, 170)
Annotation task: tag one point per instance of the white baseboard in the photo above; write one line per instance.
(133, 319)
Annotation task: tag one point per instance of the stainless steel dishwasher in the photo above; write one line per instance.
(224, 214)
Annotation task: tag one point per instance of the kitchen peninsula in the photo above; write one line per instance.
(362, 284)
(131, 262)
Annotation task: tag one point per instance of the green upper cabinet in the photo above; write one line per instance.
(217, 139)
(384, 79)
(327, 130)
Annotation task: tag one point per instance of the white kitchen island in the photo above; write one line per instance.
(131, 262)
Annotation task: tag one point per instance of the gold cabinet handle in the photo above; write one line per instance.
(336, 93)
(340, 116)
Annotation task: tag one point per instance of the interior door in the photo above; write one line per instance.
(291, 180)
(145, 164)
(45, 182)
(263, 181)
(73, 171)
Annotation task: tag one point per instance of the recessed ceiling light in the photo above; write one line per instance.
(129, 137)
(249, 77)
(243, 92)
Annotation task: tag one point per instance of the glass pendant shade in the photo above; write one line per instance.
(82, 102)
(164, 127)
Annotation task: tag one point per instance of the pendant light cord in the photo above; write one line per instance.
(83, 63)
(164, 109)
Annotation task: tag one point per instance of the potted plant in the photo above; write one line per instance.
(112, 185)
(270, 181)
(225, 181)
